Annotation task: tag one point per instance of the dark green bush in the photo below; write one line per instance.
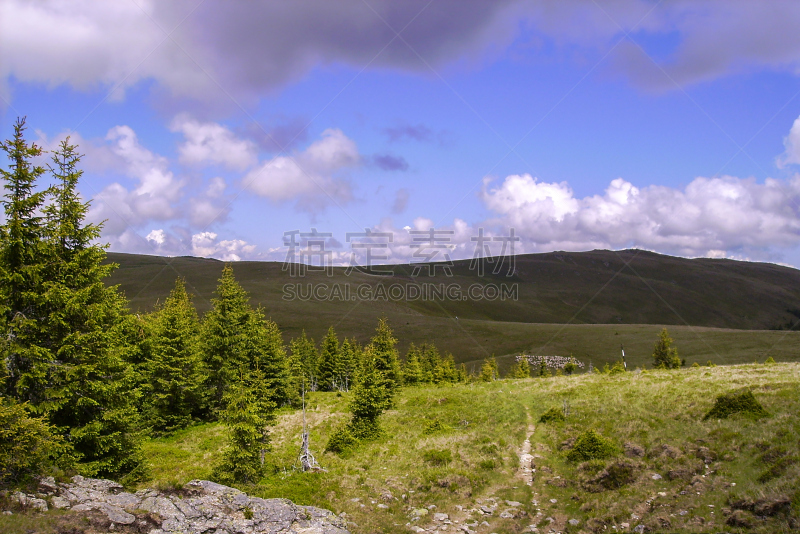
(735, 402)
(553, 415)
(438, 457)
(489, 465)
(591, 446)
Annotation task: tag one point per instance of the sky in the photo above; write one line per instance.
(236, 129)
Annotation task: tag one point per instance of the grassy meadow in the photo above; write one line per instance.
(457, 448)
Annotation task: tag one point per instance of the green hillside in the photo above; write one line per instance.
(723, 310)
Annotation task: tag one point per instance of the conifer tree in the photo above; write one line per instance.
(446, 370)
(383, 351)
(429, 361)
(348, 363)
(92, 397)
(329, 361)
(26, 352)
(224, 332)
(489, 370)
(304, 361)
(371, 397)
(174, 369)
(665, 356)
(412, 371)
(522, 369)
(247, 417)
(267, 355)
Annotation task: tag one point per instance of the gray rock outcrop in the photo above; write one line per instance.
(200, 507)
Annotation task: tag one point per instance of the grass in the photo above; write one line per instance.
(705, 467)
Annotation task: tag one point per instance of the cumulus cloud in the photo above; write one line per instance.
(213, 143)
(709, 215)
(207, 244)
(155, 195)
(312, 176)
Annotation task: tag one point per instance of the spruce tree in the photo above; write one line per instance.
(224, 332)
(247, 416)
(26, 352)
(489, 370)
(665, 356)
(329, 361)
(522, 369)
(429, 361)
(92, 397)
(347, 365)
(370, 399)
(304, 362)
(174, 370)
(266, 355)
(412, 371)
(383, 351)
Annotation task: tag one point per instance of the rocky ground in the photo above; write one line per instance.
(199, 507)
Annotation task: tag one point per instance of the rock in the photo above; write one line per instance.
(419, 512)
(513, 503)
(637, 528)
(440, 517)
(383, 506)
(116, 514)
(40, 505)
(553, 501)
(740, 519)
(656, 477)
(48, 485)
(486, 510)
(625, 525)
(574, 522)
(505, 514)
(417, 529)
(59, 503)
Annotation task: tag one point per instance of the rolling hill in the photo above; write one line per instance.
(586, 303)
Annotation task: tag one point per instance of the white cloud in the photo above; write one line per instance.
(156, 236)
(311, 176)
(710, 215)
(792, 143)
(207, 244)
(213, 143)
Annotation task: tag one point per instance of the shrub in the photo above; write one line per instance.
(553, 415)
(27, 445)
(438, 457)
(709, 363)
(735, 402)
(770, 361)
(570, 368)
(617, 368)
(695, 364)
(341, 440)
(591, 446)
(489, 465)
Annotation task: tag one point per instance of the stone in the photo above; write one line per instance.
(553, 501)
(513, 503)
(48, 485)
(574, 522)
(116, 514)
(656, 477)
(440, 517)
(59, 503)
(40, 505)
(625, 525)
(383, 506)
(637, 528)
(419, 512)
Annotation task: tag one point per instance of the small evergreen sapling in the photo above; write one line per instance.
(665, 356)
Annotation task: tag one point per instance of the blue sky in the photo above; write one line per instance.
(211, 128)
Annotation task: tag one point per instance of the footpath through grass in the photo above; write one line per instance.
(457, 447)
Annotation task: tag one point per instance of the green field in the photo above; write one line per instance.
(475, 457)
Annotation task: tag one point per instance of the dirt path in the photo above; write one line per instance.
(525, 458)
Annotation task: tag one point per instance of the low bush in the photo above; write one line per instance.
(434, 426)
(591, 446)
(341, 440)
(735, 402)
(553, 415)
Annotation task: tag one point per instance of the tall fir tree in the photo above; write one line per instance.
(382, 347)
(329, 361)
(93, 397)
(429, 361)
(224, 332)
(23, 261)
(522, 369)
(174, 369)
